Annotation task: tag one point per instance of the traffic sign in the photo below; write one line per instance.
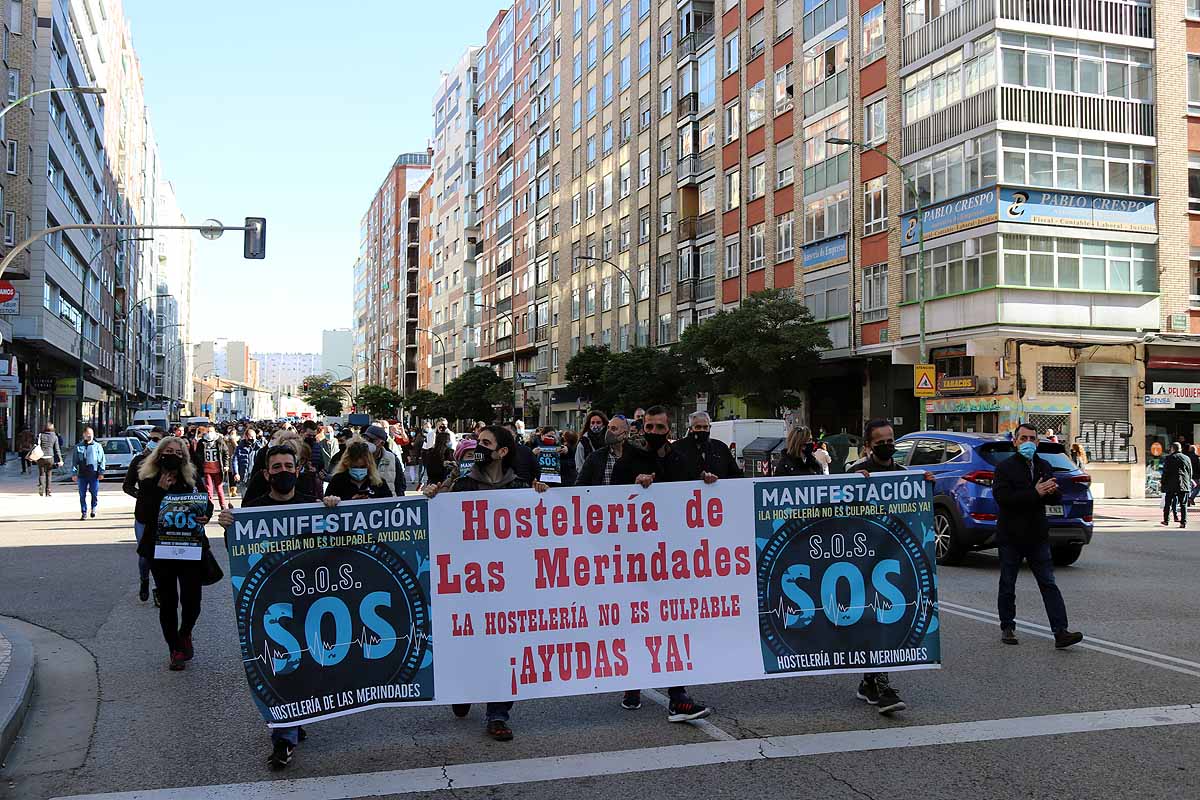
(7, 291)
(924, 380)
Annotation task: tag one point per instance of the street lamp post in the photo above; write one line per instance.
(441, 344)
(69, 89)
(512, 324)
(911, 187)
(633, 295)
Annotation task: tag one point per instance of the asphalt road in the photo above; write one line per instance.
(995, 722)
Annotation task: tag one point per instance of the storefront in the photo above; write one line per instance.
(1172, 402)
(993, 414)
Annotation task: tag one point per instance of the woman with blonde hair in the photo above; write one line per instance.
(1079, 455)
(356, 476)
(798, 458)
(166, 471)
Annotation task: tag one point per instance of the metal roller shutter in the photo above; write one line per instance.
(1103, 399)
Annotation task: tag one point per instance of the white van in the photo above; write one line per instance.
(737, 433)
(153, 417)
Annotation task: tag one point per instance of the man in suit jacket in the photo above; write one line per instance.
(1024, 484)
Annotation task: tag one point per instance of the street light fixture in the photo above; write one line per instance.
(399, 371)
(53, 89)
(910, 186)
(633, 294)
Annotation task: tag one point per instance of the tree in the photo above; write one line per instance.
(585, 371)
(763, 350)
(466, 396)
(426, 404)
(378, 401)
(322, 393)
(501, 394)
(643, 376)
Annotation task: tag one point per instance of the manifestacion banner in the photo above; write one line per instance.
(511, 595)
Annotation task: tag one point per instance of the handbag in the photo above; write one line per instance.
(36, 453)
(210, 570)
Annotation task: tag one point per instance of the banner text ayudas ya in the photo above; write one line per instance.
(505, 595)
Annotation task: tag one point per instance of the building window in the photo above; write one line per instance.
(826, 73)
(783, 82)
(873, 35)
(14, 84)
(664, 274)
(875, 205)
(664, 98)
(875, 122)
(1069, 65)
(664, 49)
(733, 195)
(11, 158)
(757, 185)
(827, 215)
(665, 332)
(875, 299)
(820, 16)
(949, 80)
(828, 298)
(1056, 379)
(756, 105)
(733, 258)
(1193, 83)
(950, 269)
(731, 53)
(826, 164)
(784, 250)
(10, 227)
(757, 33)
(962, 168)
(1062, 163)
(1045, 261)
(757, 236)
(1194, 189)
(784, 163)
(732, 122)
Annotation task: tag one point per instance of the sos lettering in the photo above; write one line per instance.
(373, 634)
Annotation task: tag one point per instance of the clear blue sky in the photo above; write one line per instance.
(292, 110)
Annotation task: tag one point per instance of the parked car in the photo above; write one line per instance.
(139, 432)
(118, 452)
(965, 512)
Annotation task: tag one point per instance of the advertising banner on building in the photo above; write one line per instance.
(1067, 209)
(513, 595)
(955, 215)
(824, 254)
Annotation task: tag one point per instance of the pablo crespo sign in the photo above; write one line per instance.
(1067, 209)
(955, 215)
(517, 595)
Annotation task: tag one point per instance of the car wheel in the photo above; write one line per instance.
(1065, 555)
(946, 539)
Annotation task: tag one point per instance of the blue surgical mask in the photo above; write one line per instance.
(358, 473)
(1027, 449)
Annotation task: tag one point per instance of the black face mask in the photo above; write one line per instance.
(171, 462)
(483, 455)
(656, 441)
(283, 482)
(701, 436)
(884, 452)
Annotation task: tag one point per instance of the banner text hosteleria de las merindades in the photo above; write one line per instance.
(514, 595)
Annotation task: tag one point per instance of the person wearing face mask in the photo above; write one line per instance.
(1023, 486)
(386, 461)
(87, 466)
(799, 456)
(566, 458)
(598, 468)
(591, 438)
(242, 463)
(707, 454)
(130, 487)
(525, 462)
(258, 485)
(281, 474)
(211, 458)
(494, 455)
(168, 471)
(356, 476)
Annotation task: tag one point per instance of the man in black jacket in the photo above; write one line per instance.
(1023, 485)
(707, 454)
(1176, 484)
(660, 462)
(598, 468)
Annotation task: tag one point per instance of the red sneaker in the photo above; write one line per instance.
(185, 646)
(178, 661)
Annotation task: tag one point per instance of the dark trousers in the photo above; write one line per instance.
(45, 471)
(1042, 567)
(1176, 505)
(178, 585)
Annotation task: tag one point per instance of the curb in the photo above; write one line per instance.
(16, 689)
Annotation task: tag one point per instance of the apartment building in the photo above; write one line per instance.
(386, 278)
(337, 352)
(283, 373)
(447, 330)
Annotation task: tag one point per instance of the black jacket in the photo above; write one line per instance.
(592, 473)
(434, 461)
(806, 464)
(222, 454)
(668, 468)
(713, 456)
(1176, 473)
(1022, 510)
(149, 498)
(526, 465)
(567, 467)
(130, 484)
(477, 482)
(342, 485)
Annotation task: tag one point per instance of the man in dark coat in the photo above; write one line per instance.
(706, 454)
(1176, 483)
(1023, 485)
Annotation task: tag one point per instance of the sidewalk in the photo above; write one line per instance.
(19, 497)
(16, 684)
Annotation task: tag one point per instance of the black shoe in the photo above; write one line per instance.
(1066, 638)
(498, 729)
(281, 755)
(632, 700)
(1008, 635)
(155, 593)
(144, 590)
(461, 709)
(877, 691)
(683, 708)
(93, 513)
(84, 516)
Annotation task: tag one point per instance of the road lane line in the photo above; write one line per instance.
(651, 759)
(712, 730)
(1160, 660)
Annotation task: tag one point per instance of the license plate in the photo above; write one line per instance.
(1054, 511)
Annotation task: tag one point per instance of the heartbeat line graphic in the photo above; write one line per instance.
(364, 640)
(783, 610)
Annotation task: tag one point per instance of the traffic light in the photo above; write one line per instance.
(255, 242)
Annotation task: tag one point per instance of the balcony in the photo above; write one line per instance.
(685, 291)
(1034, 307)
(543, 205)
(927, 133)
(543, 162)
(690, 44)
(1103, 16)
(942, 30)
(689, 104)
(542, 333)
(505, 154)
(697, 227)
(504, 305)
(1069, 110)
(693, 167)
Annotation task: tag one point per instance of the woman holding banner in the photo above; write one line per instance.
(167, 485)
(494, 453)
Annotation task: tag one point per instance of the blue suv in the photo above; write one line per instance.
(965, 511)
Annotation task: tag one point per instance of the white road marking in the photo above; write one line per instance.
(712, 730)
(1160, 660)
(649, 759)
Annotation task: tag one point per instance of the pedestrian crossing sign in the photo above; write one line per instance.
(924, 380)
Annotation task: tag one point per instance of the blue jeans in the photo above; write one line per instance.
(498, 711)
(1042, 567)
(143, 562)
(91, 484)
